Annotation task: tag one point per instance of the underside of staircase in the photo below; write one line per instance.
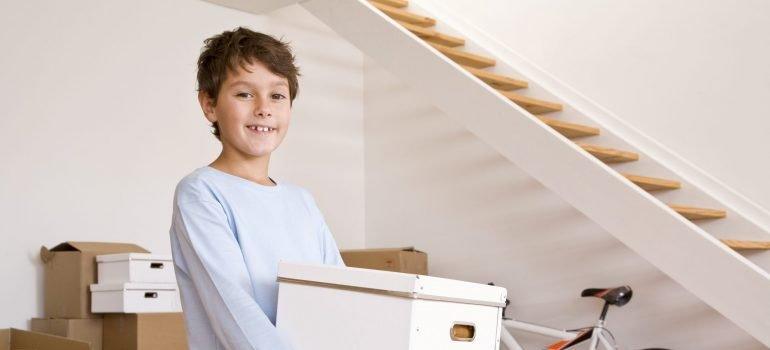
(514, 121)
(451, 46)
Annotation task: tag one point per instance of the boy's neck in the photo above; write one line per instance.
(252, 169)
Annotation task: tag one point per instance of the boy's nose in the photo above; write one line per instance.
(263, 111)
(262, 107)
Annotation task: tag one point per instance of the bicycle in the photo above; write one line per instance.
(617, 296)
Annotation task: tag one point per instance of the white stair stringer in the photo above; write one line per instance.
(720, 277)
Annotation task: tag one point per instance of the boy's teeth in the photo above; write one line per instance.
(260, 128)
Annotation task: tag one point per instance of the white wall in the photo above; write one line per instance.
(432, 184)
(100, 121)
(691, 74)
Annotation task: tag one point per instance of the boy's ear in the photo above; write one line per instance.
(207, 105)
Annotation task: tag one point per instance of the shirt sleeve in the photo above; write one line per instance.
(331, 252)
(218, 272)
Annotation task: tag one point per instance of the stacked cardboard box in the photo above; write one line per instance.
(151, 331)
(16, 339)
(405, 259)
(88, 330)
(70, 269)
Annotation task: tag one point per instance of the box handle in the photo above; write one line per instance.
(462, 331)
(156, 265)
(151, 295)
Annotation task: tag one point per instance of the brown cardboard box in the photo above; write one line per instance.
(406, 259)
(16, 339)
(70, 268)
(87, 330)
(144, 332)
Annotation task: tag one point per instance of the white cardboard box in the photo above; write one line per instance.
(135, 267)
(135, 298)
(342, 308)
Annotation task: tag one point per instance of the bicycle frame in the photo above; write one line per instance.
(510, 342)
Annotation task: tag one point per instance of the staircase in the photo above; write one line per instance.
(473, 63)
(525, 124)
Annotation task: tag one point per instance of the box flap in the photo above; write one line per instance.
(89, 247)
(393, 283)
(104, 287)
(19, 339)
(411, 249)
(133, 256)
(98, 247)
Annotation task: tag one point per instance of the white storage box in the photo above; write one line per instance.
(326, 307)
(135, 298)
(135, 267)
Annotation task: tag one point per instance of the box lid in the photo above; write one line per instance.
(394, 283)
(90, 247)
(109, 287)
(11, 339)
(133, 256)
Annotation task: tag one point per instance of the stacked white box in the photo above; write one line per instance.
(135, 283)
(135, 267)
(330, 307)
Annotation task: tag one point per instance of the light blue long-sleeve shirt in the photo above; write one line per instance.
(227, 236)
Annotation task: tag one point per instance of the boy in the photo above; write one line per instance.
(232, 223)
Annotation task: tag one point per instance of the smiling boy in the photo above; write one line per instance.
(232, 223)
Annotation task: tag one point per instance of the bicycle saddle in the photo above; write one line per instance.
(617, 296)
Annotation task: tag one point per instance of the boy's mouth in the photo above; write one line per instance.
(260, 129)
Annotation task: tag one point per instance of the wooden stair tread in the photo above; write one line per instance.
(405, 16)
(610, 155)
(433, 35)
(746, 245)
(497, 81)
(533, 105)
(694, 213)
(570, 130)
(465, 58)
(653, 183)
(393, 3)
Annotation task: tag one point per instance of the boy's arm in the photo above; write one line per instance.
(331, 252)
(219, 274)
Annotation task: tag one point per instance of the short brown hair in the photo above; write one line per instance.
(222, 52)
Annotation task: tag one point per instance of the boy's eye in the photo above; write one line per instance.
(278, 96)
(244, 95)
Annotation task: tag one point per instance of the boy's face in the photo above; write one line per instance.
(248, 100)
